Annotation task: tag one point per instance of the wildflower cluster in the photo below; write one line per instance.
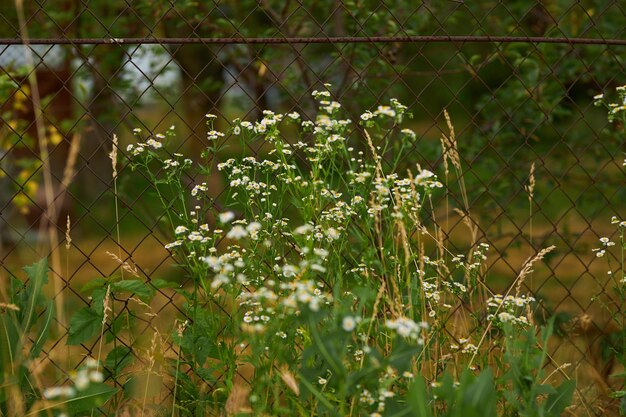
(151, 143)
(621, 223)
(395, 112)
(615, 109)
(406, 327)
(80, 379)
(464, 345)
(605, 243)
(509, 309)
(441, 295)
(318, 259)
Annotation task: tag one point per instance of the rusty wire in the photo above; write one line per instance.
(311, 40)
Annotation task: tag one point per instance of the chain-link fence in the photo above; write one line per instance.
(517, 77)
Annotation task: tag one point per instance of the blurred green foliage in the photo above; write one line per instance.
(513, 103)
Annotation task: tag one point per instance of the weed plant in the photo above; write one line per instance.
(321, 285)
(612, 336)
(324, 286)
(25, 326)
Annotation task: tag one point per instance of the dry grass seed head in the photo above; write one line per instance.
(444, 155)
(379, 168)
(68, 237)
(107, 307)
(125, 265)
(6, 307)
(289, 379)
(404, 238)
(154, 344)
(113, 155)
(379, 297)
(468, 222)
(449, 144)
(530, 188)
(141, 303)
(440, 241)
(472, 226)
(527, 268)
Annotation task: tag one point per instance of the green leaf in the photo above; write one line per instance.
(315, 392)
(556, 403)
(125, 320)
(161, 283)
(402, 354)
(118, 359)
(94, 283)
(208, 373)
(38, 276)
(97, 299)
(96, 395)
(417, 399)
(44, 331)
(617, 394)
(134, 286)
(480, 396)
(84, 324)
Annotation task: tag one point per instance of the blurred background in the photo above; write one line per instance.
(104, 68)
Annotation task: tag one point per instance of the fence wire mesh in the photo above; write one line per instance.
(517, 78)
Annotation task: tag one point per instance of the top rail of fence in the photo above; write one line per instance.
(310, 40)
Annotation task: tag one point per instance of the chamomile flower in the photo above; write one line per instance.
(348, 323)
(367, 116)
(237, 232)
(58, 392)
(173, 244)
(226, 217)
(154, 144)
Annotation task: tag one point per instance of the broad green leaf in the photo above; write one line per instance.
(94, 283)
(133, 286)
(124, 320)
(544, 389)
(84, 324)
(38, 276)
(96, 395)
(417, 399)
(208, 373)
(91, 398)
(97, 299)
(10, 336)
(556, 403)
(118, 359)
(43, 332)
(315, 392)
(480, 396)
(161, 283)
(402, 354)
